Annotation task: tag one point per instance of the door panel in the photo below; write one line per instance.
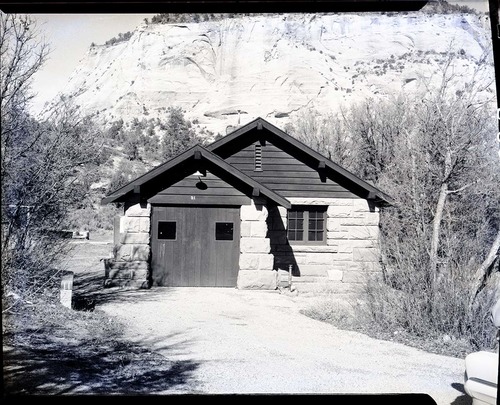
(194, 258)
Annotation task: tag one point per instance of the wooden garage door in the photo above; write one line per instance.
(195, 246)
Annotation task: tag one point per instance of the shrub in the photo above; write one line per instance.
(179, 134)
(125, 173)
(93, 219)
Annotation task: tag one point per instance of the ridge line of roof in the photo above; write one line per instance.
(301, 145)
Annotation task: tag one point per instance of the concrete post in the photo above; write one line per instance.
(66, 292)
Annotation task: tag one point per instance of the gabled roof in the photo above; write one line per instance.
(341, 175)
(195, 153)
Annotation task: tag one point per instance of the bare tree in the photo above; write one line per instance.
(441, 238)
(44, 165)
(22, 54)
(436, 154)
(458, 127)
(326, 134)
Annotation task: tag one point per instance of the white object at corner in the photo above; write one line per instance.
(481, 370)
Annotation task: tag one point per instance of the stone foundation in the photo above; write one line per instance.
(126, 274)
(131, 254)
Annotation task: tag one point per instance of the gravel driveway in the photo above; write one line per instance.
(257, 342)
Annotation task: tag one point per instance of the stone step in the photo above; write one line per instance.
(125, 282)
(325, 286)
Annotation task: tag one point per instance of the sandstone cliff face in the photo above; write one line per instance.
(234, 70)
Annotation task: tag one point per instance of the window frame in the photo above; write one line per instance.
(158, 229)
(215, 231)
(306, 209)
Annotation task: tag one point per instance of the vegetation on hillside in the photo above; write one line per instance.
(121, 38)
(183, 18)
(433, 7)
(146, 143)
(444, 7)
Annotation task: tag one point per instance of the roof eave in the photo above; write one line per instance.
(127, 188)
(209, 156)
(267, 192)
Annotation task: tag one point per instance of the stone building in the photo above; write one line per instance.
(256, 209)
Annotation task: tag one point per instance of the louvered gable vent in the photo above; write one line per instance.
(258, 157)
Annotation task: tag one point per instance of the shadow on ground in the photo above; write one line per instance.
(462, 399)
(57, 360)
(89, 292)
(114, 368)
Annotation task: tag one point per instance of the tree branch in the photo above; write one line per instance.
(458, 190)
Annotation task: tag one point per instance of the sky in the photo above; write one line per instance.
(70, 36)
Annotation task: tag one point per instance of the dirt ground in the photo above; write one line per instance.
(228, 341)
(258, 342)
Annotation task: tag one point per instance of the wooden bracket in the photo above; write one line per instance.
(255, 192)
(371, 201)
(137, 189)
(321, 164)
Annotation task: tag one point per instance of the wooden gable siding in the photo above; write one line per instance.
(286, 174)
(185, 191)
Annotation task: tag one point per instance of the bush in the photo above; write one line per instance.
(121, 38)
(433, 316)
(439, 233)
(179, 134)
(122, 175)
(93, 219)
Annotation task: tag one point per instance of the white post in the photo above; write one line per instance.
(67, 290)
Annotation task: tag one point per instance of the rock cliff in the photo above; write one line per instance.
(233, 70)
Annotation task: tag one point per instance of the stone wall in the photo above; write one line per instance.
(131, 254)
(349, 256)
(354, 230)
(256, 261)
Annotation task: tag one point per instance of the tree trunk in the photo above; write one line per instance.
(481, 273)
(436, 230)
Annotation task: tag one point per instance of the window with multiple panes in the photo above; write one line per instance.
(307, 225)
